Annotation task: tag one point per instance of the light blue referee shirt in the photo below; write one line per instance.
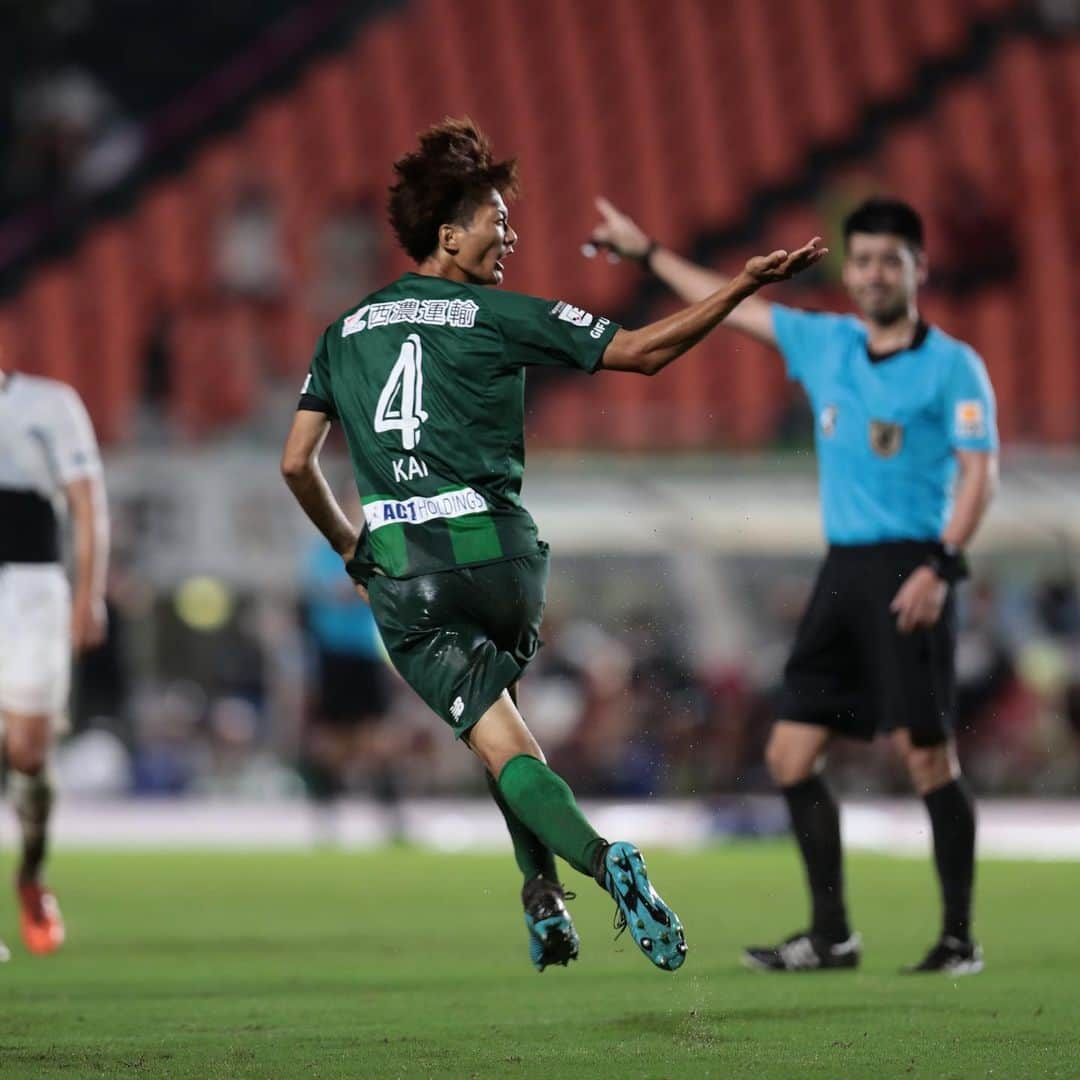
(339, 619)
(886, 429)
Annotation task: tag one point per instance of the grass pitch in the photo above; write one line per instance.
(409, 964)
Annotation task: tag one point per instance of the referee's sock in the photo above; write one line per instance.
(952, 819)
(815, 820)
(543, 802)
(533, 858)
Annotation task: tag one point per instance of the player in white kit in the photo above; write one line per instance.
(49, 464)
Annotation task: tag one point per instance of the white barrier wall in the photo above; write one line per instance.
(1028, 829)
(227, 513)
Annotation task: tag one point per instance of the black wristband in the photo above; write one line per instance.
(650, 251)
(949, 563)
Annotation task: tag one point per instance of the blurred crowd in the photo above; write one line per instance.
(285, 694)
(82, 80)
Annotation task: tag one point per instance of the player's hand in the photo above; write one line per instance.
(89, 623)
(618, 233)
(346, 547)
(920, 600)
(781, 265)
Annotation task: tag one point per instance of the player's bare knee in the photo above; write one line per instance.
(775, 760)
(500, 735)
(26, 754)
(496, 755)
(786, 762)
(930, 767)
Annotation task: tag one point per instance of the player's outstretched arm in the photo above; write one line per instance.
(621, 234)
(304, 477)
(653, 347)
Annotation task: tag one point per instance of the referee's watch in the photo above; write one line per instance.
(948, 562)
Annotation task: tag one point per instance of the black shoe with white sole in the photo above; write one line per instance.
(950, 956)
(804, 951)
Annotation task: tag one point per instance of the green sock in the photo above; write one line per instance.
(533, 859)
(543, 802)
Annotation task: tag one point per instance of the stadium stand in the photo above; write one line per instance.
(589, 97)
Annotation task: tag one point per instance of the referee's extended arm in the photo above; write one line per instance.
(687, 280)
(651, 348)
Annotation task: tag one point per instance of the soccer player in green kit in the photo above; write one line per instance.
(426, 377)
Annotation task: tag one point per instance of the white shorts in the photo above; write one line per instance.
(35, 641)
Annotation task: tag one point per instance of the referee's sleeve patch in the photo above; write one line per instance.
(970, 420)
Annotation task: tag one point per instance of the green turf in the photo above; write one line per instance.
(411, 964)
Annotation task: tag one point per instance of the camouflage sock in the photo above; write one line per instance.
(32, 798)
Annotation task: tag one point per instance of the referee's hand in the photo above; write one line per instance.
(618, 233)
(920, 600)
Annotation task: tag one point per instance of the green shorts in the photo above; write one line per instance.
(460, 637)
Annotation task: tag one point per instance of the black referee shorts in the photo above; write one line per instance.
(353, 690)
(851, 670)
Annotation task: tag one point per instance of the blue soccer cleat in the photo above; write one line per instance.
(552, 937)
(652, 924)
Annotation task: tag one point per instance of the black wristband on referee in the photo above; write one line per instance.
(949, 563)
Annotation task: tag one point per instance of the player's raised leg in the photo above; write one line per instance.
(793, 756)
(544, 803)
(27, 739)
(935, 772)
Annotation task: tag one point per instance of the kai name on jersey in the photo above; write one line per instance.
(408, 469)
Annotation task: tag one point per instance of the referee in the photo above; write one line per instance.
(907, 455)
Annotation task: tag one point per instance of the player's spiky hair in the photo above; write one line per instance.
(444, 182)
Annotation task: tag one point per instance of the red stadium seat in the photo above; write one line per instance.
(1024, 80)
(53, 345)
(939, 26)
(116, 322)
(10, 350)
(993, 332)
(830, 104)
(215, 368)
(776, 145)
(168, 242)
(759, 391)
(968, 132)
(884, 56)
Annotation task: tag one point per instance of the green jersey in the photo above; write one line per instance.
(427, 379)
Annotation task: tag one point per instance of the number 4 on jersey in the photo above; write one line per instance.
(401, 403)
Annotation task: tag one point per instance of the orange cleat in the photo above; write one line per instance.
(41, 921)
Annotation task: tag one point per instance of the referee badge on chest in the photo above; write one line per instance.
(886, 439)
(827, 419)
